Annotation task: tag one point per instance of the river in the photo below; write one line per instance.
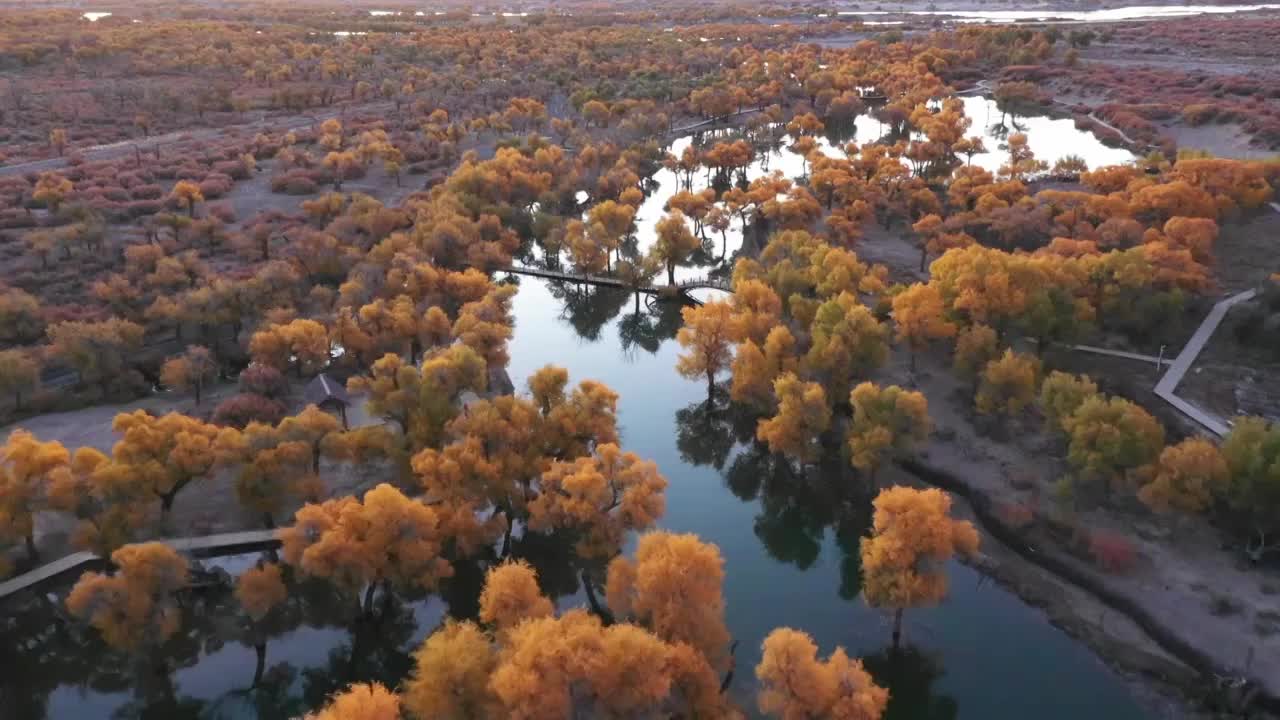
(790, 544)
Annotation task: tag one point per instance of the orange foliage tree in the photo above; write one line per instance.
(918, 314)
(384, 541)
(795, 683)
(135, 608)
(361, 701)
(27, 469)
(886, 420)
(1188, 476)
(803, 415)
(163, 454)
(706, 337)
(904, 558)
(673, 587)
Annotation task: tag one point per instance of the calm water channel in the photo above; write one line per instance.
(790, 544)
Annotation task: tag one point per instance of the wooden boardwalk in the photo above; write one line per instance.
(204, 546)
(1181, 364)
(678, 289)
(1123, 354)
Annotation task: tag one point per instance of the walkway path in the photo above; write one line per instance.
(245, 541)
(680, 288)
(713, 122)
(1169, 383)
(1122, 354)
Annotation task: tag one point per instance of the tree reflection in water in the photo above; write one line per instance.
(797, 504)
(909, 674)
(379, 649)
(588, 308)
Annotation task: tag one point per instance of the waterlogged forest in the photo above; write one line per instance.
(644, 362)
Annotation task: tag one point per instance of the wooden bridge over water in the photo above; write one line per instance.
(679, 290)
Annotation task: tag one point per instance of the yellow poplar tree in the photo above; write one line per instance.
(918, 314)
(904, 559)
(1187, 478)
(361, 702)
(795, 684)
(602, 497)
(803, 415)
(450, 679)
(886, 420)
(1008, 384)
(511, 595)
(706, 338)
(386, 540)
(27, 468)
(674, 587)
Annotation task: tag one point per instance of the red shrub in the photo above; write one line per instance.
(138, 208)
(147, 192)
(1112, 552)
(240, 410)
(1016, 515)
(222, 211)
(116, 194)
(231, 168)
(294, 183)
(216, 185)
(264, 381)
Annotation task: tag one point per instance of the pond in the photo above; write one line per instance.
(1049, 138)
(790, 544)
(1133, 12)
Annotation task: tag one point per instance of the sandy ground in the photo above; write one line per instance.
(1113, 636)
(1184, 577)
(1247, 252)
(893, 250)
(1227, 140)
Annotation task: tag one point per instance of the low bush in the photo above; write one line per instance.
(265, 381)
(216, 185)
(240, 410)
(1199, 113)
(294, 183)
(1112, 552)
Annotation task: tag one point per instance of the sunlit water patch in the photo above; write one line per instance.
(1134, 12)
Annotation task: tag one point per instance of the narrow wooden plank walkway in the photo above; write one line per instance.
(1169, 383)
(721, 121)
(704, 283)
(1123, 354)
(202, 546)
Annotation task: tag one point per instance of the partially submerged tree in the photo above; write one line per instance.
(135, 608)
(803, 415)
(382, 542)
(706, 337)
(674, 587)
(904, 559)
(361, 701)
(796, 684)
